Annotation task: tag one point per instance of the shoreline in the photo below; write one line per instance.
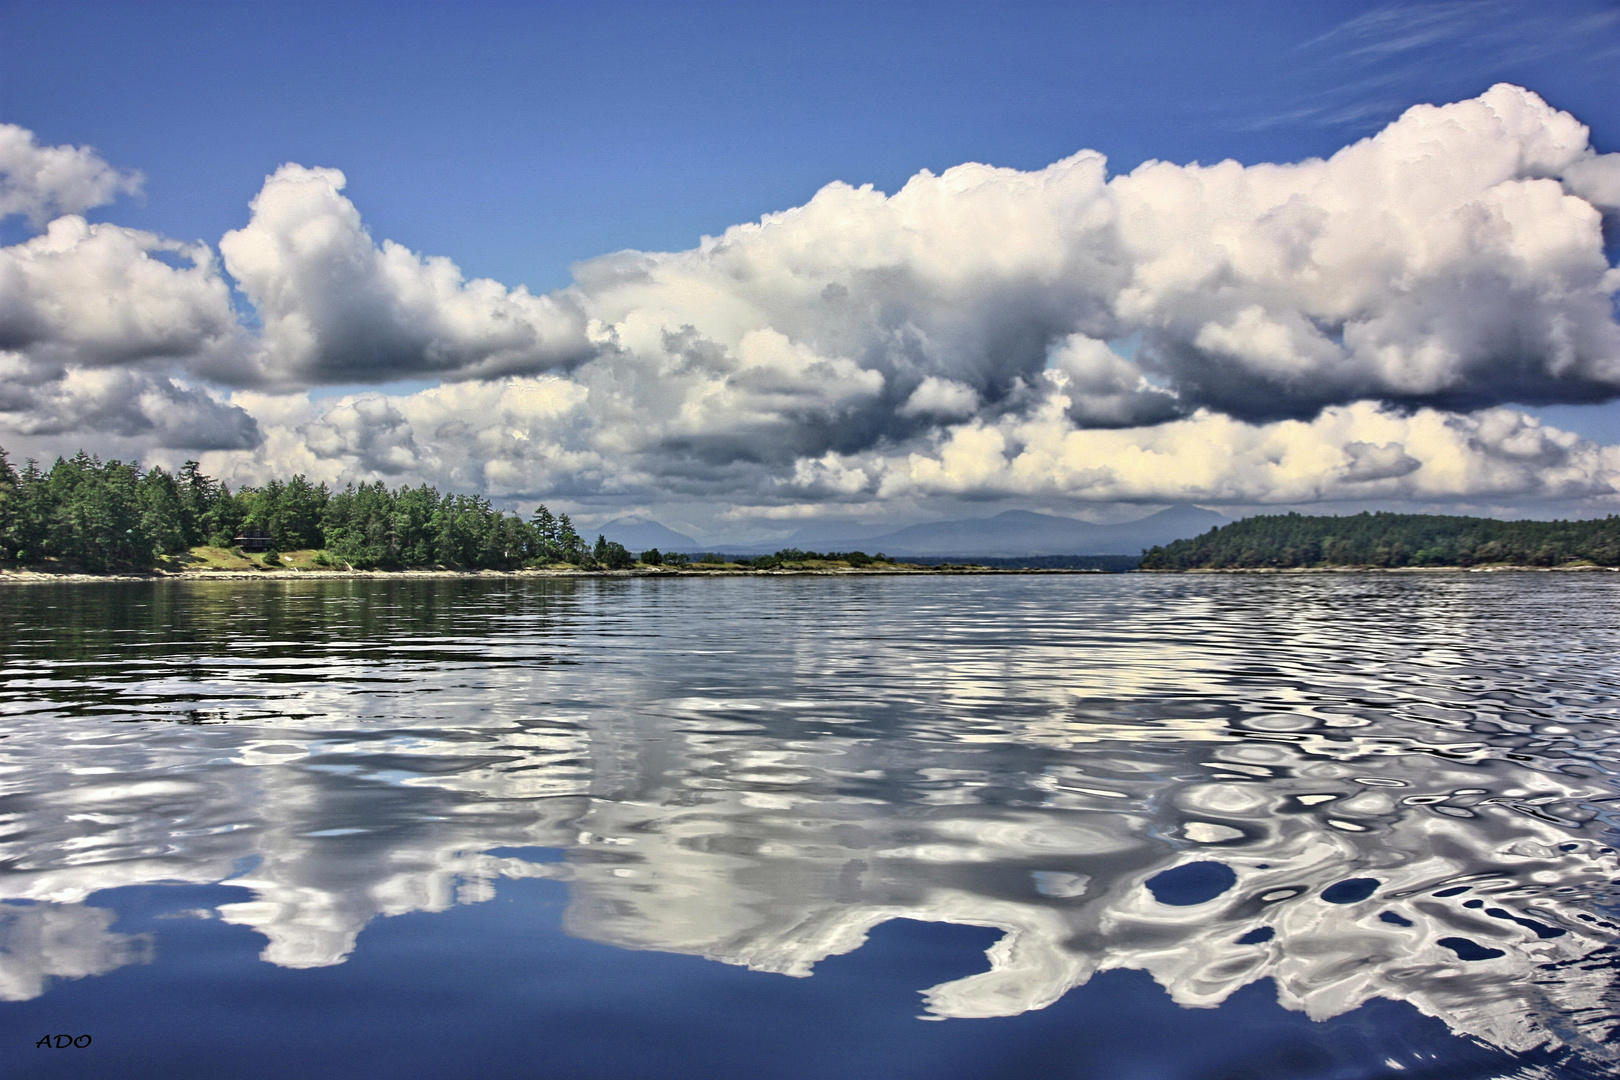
(41, 577)
(36, 577)
(1488, 568)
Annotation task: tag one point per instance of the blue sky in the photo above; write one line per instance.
(520, 139)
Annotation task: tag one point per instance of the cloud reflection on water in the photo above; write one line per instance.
(1406, 780)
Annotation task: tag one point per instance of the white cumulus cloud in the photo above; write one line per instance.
(40, 182)
(1362, 326)
(1360, 451)
(337, 307)
(94, 322)
(1439, 262)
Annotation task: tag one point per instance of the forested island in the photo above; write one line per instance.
(92, 516)
(1285, 541)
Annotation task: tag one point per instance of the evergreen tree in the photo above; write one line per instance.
(570, 548)
(92, 515)
(1390, 540)
(30, 524)
(11, 506)
(611, 554)
(545, 528)
(162, 514)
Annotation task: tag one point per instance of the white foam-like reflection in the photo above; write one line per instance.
(43, 942)
(736, 772)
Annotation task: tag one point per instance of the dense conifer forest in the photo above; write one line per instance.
(1390, 540)
(85, 514)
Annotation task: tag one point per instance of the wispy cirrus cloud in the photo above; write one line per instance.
(1526, 30)
(1381, 52)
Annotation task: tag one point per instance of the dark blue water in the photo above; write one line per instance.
(1313, 826)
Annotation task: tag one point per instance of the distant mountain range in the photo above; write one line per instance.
(1013, 534)
(639, 534)
(1024, 532)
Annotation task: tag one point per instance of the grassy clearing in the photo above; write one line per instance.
(209, 558)
(305, 560)
(220, 558)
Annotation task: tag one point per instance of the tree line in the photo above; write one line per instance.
(97, 515)
(1390, 540)
(87, 514)
(788, 557)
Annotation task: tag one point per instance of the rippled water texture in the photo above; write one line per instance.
(1296, 826)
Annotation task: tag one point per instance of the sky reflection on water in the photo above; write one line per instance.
(1315, 792)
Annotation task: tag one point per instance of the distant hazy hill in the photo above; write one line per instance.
(1289, 540)
(830, 536)
(1013, 534)
(639, 534)
(1023, 532)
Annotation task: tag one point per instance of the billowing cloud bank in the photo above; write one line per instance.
(1350, 328)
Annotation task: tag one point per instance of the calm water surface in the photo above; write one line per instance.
(1333, 826)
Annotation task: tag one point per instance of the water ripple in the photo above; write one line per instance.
(1357, 786)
